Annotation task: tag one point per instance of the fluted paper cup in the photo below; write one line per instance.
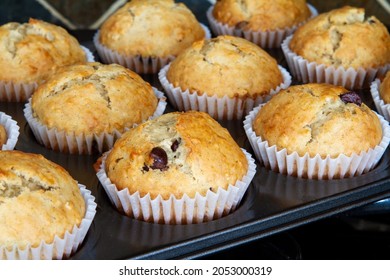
(62, 247)
(185, 210)
(312, 72)
(279, 160)
(264, 39)
(83, 143)
(220, 108)
(12, 129)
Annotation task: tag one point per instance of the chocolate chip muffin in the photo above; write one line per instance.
(90, 101)
(39, 200)
(261, 15)
(317, 131)
(331, 117)
(178, 158)
(237, 73)
(177, 153)
(148, 29)
(30, 52)
(343, 37)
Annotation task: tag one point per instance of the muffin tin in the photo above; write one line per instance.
(272, 204)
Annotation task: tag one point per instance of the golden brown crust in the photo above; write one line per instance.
(156, 28)
(384, 88)
(93, 98)
(343, 37)
(225, 66)
(38, 200)
(261, 15)
(312, 118)
(3, 136)
(201, 155)
(30, 52)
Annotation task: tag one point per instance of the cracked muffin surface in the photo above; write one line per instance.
(31, 51)
(38, 200)
(93, 98)
(176, 154)
(261, 15)
(157, 28)
(318, 119)
(343, 37)
(225, 66)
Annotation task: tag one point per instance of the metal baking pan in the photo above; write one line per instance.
(272, 204)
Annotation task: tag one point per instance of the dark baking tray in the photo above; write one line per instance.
(273, 203)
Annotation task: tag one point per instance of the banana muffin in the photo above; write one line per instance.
(380, 92)
(155, 29)
(343, 38)
(384, 88)
(265, 23)
(179, 157)
(92, 99)
(228, 70)
(30, 52)
(39, 202)
(261, 15)
(319, 121)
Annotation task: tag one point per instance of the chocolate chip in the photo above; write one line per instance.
(145, 168)
(351, 97)
(160, 158)
(175, 145)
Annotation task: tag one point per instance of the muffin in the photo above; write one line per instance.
(145, 35)
(30, 52)
(317, 131)
(44, 213)
(384, 88)
(9, 132)
(224, 76)
(266, 23)
(87, 106)
(182, 167)
(343, 47)
(380, 92)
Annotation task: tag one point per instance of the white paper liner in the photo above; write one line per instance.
(12, 129)
(314, 167)
(178, 211)
(220, 108)
(381, 106)
(20, 92)
(83, 143)
(265, 39)
(61, 247)
(138, 64)
(312, 72)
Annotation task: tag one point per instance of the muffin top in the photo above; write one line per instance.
(3, 136)
(156, 28)
(261, 15)
(38, 200)
(318, 119)
(176, 153)
(30, 52)
(384, 88)
(225, 66)
(343, 37)
(93, 98)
